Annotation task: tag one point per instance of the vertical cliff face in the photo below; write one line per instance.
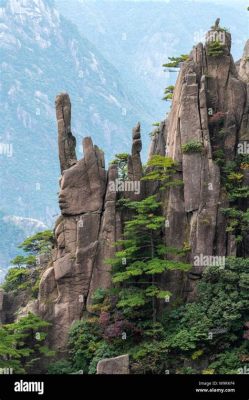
(209, 114)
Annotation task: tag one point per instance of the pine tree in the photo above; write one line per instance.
(22, 344)
(142, 260)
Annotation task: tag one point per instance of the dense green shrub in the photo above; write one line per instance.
(215, 48)
(16, 279)
(61, 367)
(193, 146)
(174, 62)
(168, 92)
(22, 344)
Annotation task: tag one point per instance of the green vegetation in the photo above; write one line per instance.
(16, 279)
(232, 178)
(219, 157)
(193, 146)
(26, 273)
(169, 93)
(175, 61)
(40, 243)
(215, 48)
(121, 160)
(162, 169)
(22, 345)
(238, 222)
(210, 328)
(125, 318)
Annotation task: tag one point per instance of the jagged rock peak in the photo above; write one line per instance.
(136, 132)
(135, 169)
(66, 140)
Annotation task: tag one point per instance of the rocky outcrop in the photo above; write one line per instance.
(135, 169)
(66, 141)
(158, 141)
(114, 366)
(84, 233)
(208, 109)
(243, 65)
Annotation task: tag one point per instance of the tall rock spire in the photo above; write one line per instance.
(66, 140)
(207, 111)
(84, 233)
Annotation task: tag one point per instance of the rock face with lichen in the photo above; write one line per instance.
(209, 110)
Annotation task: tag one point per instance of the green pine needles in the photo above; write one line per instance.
(162, 169)
(215, 48)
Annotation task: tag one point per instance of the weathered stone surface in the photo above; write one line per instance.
(66, 140)
(158, 141)
(134, 161)
(206, 85)
(84, 233)
(31, 307)
(63, 267)
(101, 277)
(47, 284)
(83, 185)
(244, 64)
(114, 366)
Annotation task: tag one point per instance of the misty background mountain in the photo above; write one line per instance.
(108, 56)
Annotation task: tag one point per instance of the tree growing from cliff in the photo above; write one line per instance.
(33, 246)
(174, 62)
(215, 48)
(121, 160)
(39, 243)
(25, 275)
(168, 93)
(162, 169)
(142, 258)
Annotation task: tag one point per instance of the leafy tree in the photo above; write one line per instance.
(16, 279)
(22, 344)
(27, 261)
(39, 243)
(169, 93)
(215, 48)
(121, 160)
(141, 260)
(61, 367)
(19, 277)
(84, 341)
(220, 309)
(174, 62)
(162, 169)
(193, 146)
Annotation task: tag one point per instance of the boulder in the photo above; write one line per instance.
(114, 366)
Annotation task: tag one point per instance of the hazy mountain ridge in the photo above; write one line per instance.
(43, 54)
(138, 37)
